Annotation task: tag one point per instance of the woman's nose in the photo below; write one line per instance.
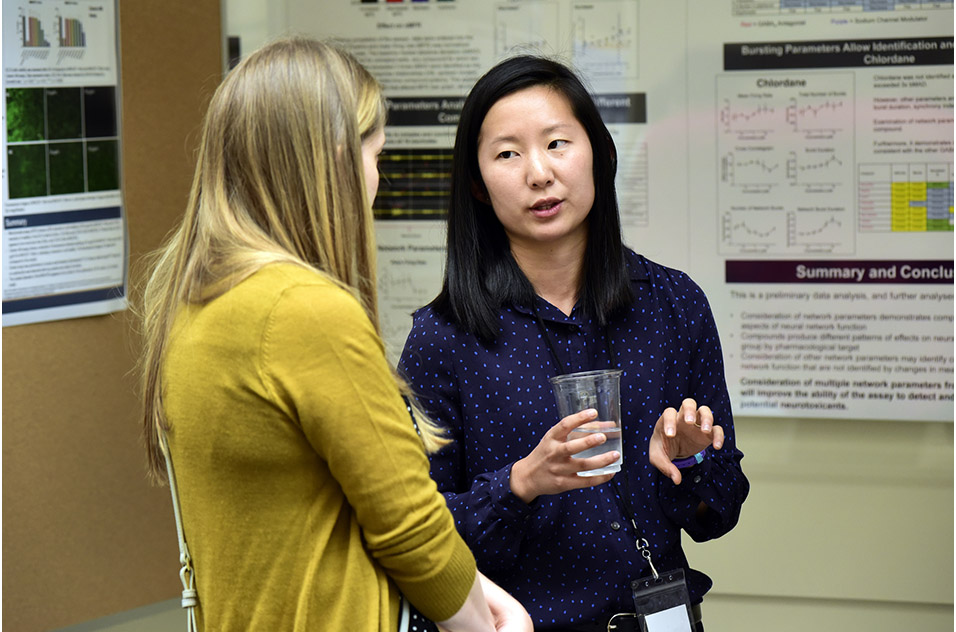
(540, 173)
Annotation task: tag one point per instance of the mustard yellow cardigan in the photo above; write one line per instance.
(306, 498)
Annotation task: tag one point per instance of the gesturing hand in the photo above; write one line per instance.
(679, 434)
(550, 468)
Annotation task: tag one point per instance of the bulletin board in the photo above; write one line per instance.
(84, 534)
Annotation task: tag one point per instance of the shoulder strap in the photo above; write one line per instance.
(186, 573)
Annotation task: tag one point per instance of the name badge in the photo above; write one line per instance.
(662, 603)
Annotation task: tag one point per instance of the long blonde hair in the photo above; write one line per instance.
(279, 178)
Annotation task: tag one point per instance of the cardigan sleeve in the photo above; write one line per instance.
(326, 366)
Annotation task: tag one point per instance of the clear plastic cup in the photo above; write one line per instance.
(600, 390)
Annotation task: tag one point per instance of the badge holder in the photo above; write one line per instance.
(662, 602)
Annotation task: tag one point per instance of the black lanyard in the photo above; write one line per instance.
(622, 495)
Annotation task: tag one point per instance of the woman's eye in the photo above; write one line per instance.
(507, 154)
(557, 144)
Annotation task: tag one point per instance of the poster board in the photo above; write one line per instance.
(809, 193)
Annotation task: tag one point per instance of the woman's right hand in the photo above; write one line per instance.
(508, 613)
(488, 608)
(551, 469)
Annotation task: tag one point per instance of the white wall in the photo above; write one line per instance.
(255, 22)
(849, 526)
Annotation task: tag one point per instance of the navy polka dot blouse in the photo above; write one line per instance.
(570, 557)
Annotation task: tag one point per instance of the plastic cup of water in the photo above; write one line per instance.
(600, 390)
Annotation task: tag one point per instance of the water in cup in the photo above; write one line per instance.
(612, 443)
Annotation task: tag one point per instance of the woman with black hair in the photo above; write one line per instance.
(537, 283)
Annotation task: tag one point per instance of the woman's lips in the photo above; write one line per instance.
(546, 207)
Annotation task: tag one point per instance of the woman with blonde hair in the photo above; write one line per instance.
(304, 487)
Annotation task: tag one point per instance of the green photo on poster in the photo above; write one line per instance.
(66, 168)
(27, 170)
(64, 113)
(102, 165)
(25, 121)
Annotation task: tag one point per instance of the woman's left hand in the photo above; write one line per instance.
(680, 434)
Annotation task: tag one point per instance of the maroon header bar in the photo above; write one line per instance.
(889, 272)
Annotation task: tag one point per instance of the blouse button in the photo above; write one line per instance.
(616, 525)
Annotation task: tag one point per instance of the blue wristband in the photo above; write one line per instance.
(691, 460)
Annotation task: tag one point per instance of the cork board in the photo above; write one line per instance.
(84, 533)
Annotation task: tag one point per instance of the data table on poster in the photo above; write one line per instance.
(906, 197)
(777, 7)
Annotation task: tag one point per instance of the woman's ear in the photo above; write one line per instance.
(479, 193)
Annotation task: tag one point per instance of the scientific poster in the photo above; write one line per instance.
(64, 229)
(829, 253)
(794, 157)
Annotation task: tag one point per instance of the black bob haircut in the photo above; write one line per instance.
(480, 273)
